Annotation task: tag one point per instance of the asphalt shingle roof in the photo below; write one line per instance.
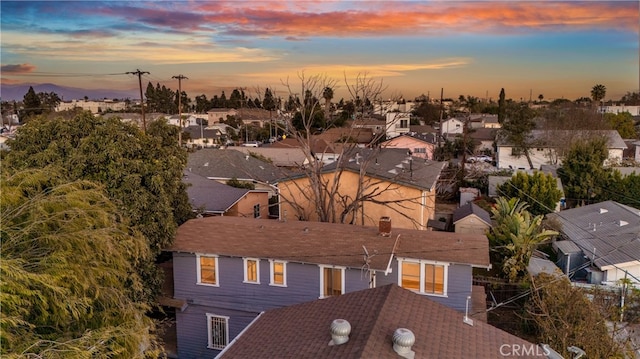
(325, 243)
(303, 330)
(228, 163)
(469, 209)
(391, 164)
(211, 195)
(610, 229)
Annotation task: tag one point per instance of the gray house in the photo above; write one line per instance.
(228, 270)
(606, 242)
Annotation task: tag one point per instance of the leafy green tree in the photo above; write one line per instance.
(49, 100)
(514, 236)
(32, 105)
(141, 172)
(428, 112)
(564, 317)
(67, 277)
(583, 173)
(623, 123)
(202, 104)
(631, 99)
(623, 189)
(516, 128)
(539, 190)
(234, 182)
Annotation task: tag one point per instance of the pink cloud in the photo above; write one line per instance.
(433, 18)
(17, 69)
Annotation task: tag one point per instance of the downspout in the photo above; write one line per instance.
(424, 204)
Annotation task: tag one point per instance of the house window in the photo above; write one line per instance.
(433, 279)
(411, 275)
(423, 276)
(218, 328)
(256, 211)
(251, 270)
(404, 123)
(331, 281)
(207, 269)
(420, 150)
(278, 273)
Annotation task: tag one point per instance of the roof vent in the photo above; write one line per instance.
(340, 330)
(622, 223)
(602, 210)
(403, 340)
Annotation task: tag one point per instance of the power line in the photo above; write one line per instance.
(577, 226)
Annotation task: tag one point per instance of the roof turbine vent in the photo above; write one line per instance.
(340, 330)
(403, 340)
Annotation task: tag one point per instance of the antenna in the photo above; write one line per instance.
(466, 319)
(367, 266)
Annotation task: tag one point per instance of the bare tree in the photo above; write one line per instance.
(338, 188)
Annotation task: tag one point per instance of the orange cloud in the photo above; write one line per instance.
(17, 69)
(390, 18)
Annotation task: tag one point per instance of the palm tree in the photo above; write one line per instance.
(327, 94)
(515, 235)
(597, 93)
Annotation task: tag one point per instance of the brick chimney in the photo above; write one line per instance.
(384, 226)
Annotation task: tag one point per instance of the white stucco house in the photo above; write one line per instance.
(452, 126)
(546, 147)
(397, 123)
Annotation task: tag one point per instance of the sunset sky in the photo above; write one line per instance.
(558, 49)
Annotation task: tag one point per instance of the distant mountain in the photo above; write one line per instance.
(17, 92)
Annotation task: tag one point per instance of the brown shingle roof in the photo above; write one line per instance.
(302, 331)
(325, 243)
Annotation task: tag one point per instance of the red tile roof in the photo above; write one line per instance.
(302, 331)
(325, 243)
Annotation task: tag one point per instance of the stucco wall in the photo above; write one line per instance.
(297, 197)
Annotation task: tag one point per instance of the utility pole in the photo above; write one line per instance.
(180, 78)
(441, 113)
(140, 73)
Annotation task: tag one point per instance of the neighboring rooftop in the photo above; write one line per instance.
(212, 196)
(374, 315)
(610, 229)
(552, 138)
(325, 243)
(469, 209)
(391, 164)
(229, 163)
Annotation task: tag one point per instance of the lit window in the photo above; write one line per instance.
(411, 275)
(423, 276)
(207, 269)
(278, 273)
(331, 281)
(433, 279)
(251, 270)
(256, 211)
(218, 328)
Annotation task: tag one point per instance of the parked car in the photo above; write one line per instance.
(251, 144)
(480, 158)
